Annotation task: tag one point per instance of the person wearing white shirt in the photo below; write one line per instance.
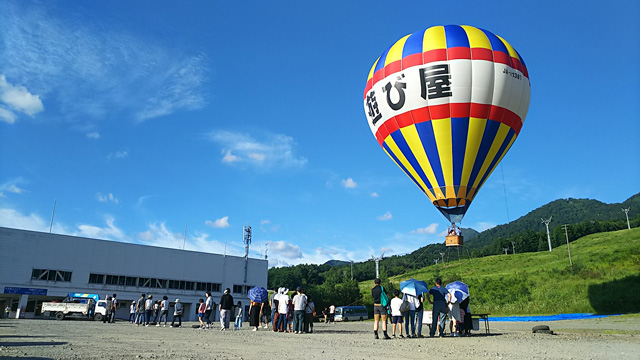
(396, 315)
(410, 316)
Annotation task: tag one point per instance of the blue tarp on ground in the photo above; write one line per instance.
(549, 317)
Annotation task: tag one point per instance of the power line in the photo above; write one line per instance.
(566, 235)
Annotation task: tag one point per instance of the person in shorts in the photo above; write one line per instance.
(396, 314)
(379, 311)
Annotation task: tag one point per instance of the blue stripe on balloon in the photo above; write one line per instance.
(413, 45)
(496, 43)
(489, 134)
(459, 133)
(428, 139)
(382, 60)
(499, 154)
(408, 154)
(397, 161)
(456, 36)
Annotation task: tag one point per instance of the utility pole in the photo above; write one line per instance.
(566, 235)
(506, 250)
(246, 230)
(436, 260)
(442, 256)
(184, 241)
(513, 243)
(377, 260)
(54, 211)
(546, 223)
(626, 212)
(351, 269)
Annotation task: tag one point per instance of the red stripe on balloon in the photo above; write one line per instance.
(435, 55)
(482, 54)
(458, 52)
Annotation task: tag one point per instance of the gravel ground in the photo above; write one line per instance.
(605, 338)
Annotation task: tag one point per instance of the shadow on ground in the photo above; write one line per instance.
(616, 297)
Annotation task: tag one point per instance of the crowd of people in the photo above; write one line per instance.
(281, 313)
(408, 309)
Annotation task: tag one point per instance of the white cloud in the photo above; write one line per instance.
(110, 232)
(219, 223)
(265, 222)
(91, 69)
(229, 158)
(93, 135)
(386, 216)
(107, 198)
(7, 116)
(374, 195)
(118, 155)
(19, 99)
(349, 183)
(285, 250)
(273, 151)
(14, 219)
(431, 229)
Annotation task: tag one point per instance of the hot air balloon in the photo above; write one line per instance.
(446, 104)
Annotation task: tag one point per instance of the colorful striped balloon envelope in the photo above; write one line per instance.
(446, 104)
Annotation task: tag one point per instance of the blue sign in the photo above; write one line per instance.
(24, 291)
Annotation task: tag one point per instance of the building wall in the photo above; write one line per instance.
(22, 251)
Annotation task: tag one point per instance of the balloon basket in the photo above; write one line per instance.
(454, 240)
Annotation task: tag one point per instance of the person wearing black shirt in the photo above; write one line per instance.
(226, 308)
(379, 311)
(440, 297)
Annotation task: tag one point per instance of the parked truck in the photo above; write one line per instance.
(77, 305)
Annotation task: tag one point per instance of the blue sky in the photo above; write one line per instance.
(137, 118)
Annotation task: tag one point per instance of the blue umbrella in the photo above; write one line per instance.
(258, 294)
(459, 289)
(414, 287)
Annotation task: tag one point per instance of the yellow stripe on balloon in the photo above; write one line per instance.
(501, 134)
(395, 52)
(410, 134)
(474, 139)
(434, 38)
(512, 51)
(372, 69)
(477, 38)
(442, 134)
(400, 156)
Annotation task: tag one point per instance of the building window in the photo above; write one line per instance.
(239, 289)
(50, 275)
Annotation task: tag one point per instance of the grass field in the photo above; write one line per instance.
(604, 279)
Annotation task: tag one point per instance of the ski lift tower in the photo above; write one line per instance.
(246, 232)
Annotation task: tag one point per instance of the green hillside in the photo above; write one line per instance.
(605, 278)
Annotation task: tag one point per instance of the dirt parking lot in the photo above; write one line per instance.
(606, 338)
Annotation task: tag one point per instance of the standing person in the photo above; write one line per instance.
(410, 315)
(283, 307)
(140, 310)
(7, 311)
(467, 322)
(299, 305)
(309, 314)
(132, 312)
(419, 315)
(226, 309)
(266, 311)
(208, 309)
(156, 311)
(115, 307)
(379, 310)
(177, 313)
(255, 309)
(274, 308)
(396, 314)
(440, 296)
(332, 313)
(202, 309)
(237, 324)
(454, 315)
(290, 309)
(109, 308)
(325, 314)
(148, 309)
(164, 311)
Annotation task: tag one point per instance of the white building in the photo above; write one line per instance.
(37, 267)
